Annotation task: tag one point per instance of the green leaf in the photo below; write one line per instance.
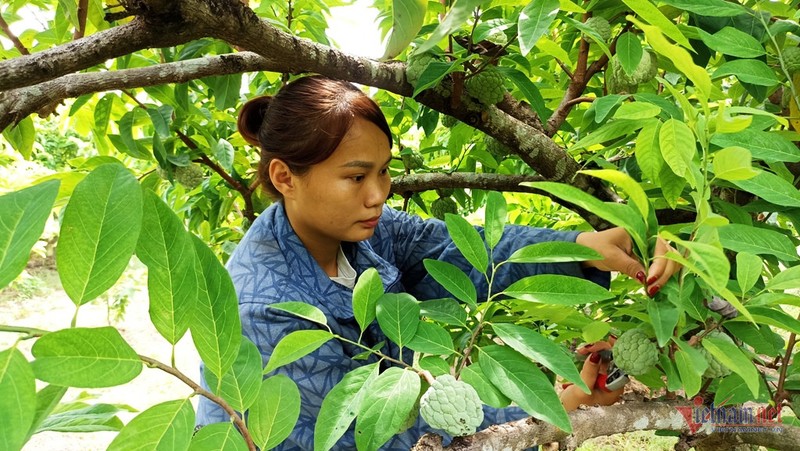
(677, 146)
(496, 216)
(94, 418)
(127, 143)
(524, 383)
(731, 41)
(788, 279)
(216, 327)
(557, 289)
(528, 89)
(749, 71)
(25, 214)
(732, 357)
(625, 182)
(385, 407)
(166, 249)
(17, 399)
(542, 350)
(648, 12)
(637, 111)
(671, 372)
(733, 163)
(553, 252)
(460, 12)
(302, 310)
(99, 231)
(453, 279)
(748, 270)
(46, 400)
(398, 316)
(712, 8)
(340, 405)
(664, 317)
(21, 137)
(368, 289)
(225, 89)
(691, 380)
(85, 357)
(761, 338)
(595, 331)
(770, 147)
(605, 105)
(240, 385)
(102, 113)
(161, 118)
(534, 21)
(607, 132)
(771, 188)
(776, 317)
(446, 310)
(275, 413)
(408, 16)
(219, 437)
(648, 151)
(733, 390)
(629, 52)
(223, 152)
(757, 240)
(489, 394)
(296, 345)
(431, 339)
(468, 241)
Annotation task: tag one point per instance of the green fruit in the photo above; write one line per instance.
(600, 26)
(617, 81)
(444, 192)
(449, 121)
(791, 58)
(497, 37)
(495, 147)
(486, 86)
(413, 160)
(416, 65)
(189, 176)
(442, 206)
(647, 68)
(452, 406)
(634, 353)
(715, 368)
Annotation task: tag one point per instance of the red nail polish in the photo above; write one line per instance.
(652, 279)
(640, 276)
(653, 290)
(595, 358)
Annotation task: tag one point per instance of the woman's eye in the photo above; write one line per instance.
(357, 178)
(384, 171)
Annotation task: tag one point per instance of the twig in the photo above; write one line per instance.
(30, 332)
(237, 420)
(14, 39)
(83, 11)
(780, 394)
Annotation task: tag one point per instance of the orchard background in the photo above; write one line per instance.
(672, 118)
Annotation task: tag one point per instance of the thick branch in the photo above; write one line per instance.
(616, 419)
(492, 182)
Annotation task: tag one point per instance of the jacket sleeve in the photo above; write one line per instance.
(408, 240)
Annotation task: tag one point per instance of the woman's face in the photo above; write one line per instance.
(341, 198)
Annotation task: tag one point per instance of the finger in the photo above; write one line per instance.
(595, 347)
(630, 266)
(590, 370)
(605, 398)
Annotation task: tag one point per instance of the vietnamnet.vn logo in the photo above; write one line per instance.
(736, 418)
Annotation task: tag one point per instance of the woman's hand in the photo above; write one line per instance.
(616, 247)
(572, 396)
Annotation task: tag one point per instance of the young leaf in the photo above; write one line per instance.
(542, 350)
(629, 52)
(488, 393)
(21, 137)
(386, 405)
(398, 316)
(648, 12)
(17, 399)
(557, 289)
(99, 231)
(25, 213)
(446, 310)
(663, 315)
(711, 8)
(769, 147)
(219, 437)
(774, 316)
(296, 345)
(85, 357)
(553, 252)
(216, 327)
(302, 310)
(534, 21)
(678, 146)
(407, 19)
(671, 371)
(689, 376)
(340, 405)
(627, 184)
(431, 339)
(468, 241)
(275, 412)
(524, 383)
(732, 357)
(93, 418)
(241, 383)
(168, 425)
(459, 12)
(46, 400)
(368, 289)
(435, 365)
(733, 163)
(788, 279)
(757, 240)
(453, 279)
(495, 218)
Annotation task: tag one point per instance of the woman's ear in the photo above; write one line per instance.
(282, 177)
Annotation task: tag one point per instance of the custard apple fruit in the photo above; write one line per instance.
(647, 68)
(189, 176)
(486, 85)
(413, 160)
(600, 26)
(715, 367)
(442, 206)
(444, 192)
(416, 65)
(791, 58)
(452, 406)
(449, 121)
(497, 37)
(634, 352)
(619, 82)
(495, 147)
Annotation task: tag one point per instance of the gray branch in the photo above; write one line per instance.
(413, 183)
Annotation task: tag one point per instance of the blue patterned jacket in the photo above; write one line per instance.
(271, 265)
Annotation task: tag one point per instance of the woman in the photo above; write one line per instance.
(325, 153)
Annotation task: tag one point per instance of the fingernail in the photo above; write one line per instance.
(640, 276)
(653, 290)
(595, 358)
(652, 279)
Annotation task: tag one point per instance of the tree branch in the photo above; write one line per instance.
(412, 183)
(14, 39)
(83, 11)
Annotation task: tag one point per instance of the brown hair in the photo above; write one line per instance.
(304, 123)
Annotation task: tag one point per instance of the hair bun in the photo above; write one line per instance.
(251, 117)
